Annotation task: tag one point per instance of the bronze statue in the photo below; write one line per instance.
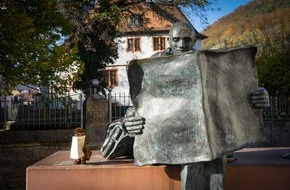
(120, 135)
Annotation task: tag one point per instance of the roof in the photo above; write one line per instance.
(156, 18)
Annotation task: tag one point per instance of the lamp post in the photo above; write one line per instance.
(95, 83)
(110, 103)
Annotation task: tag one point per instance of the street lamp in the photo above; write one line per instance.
(95, 83)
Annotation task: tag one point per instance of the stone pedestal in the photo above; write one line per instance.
(255, 169)
(259, 169)
(58, 172)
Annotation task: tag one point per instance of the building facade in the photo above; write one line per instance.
(142, 40)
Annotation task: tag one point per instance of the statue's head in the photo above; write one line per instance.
(181, 37)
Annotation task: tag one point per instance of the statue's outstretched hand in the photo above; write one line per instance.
(134, 125)
(260, 98)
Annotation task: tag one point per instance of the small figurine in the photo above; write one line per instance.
(80, 149)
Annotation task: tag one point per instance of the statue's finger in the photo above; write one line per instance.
(262, 105)
(137, 127)
(137, 118)
(260, 101)
(108, 147)
(117, 133)
(260, 91)
(137, 131)
(129, 124)
(261, 96)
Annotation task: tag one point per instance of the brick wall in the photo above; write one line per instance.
(20, 149)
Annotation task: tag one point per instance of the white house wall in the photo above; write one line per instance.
(124, 57)
(146, 48)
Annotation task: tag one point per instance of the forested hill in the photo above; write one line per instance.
(251, 24)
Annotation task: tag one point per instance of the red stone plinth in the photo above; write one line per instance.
(259, 169)
(255, 169)
(58, 172)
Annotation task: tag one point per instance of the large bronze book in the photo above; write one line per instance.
(195, 104)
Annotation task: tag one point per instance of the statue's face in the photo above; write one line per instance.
(181, 40)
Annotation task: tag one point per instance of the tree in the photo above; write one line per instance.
(94, 38)
(272, 38)
(265, 24)
(97, 30)
(274, 72)
(29, 32)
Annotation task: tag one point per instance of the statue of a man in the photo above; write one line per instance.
(120, 135)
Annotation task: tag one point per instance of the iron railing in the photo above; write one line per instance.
(42, 112)
(279, 109)
(118, 105)
(66, 112)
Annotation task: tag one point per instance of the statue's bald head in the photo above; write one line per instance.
(181, 37)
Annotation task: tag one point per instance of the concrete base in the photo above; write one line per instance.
(58, 172)
(259, 169)
(256, 168)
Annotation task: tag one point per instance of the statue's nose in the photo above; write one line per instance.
(181, 43)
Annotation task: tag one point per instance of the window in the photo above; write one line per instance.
(133, 44)
(158, 43)
(110, 76)
(137, 44)
(136, 21)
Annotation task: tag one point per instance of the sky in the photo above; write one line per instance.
(226, 6)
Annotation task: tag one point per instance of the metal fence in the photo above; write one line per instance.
(279, 109)
(66, 112)
(118, 105)
(42, 112)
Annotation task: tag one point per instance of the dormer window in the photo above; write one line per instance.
(136, 21)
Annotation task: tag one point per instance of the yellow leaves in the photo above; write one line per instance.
(229, 31)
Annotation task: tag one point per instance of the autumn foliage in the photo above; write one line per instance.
(261, 23)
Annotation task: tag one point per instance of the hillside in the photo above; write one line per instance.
(251, 24)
